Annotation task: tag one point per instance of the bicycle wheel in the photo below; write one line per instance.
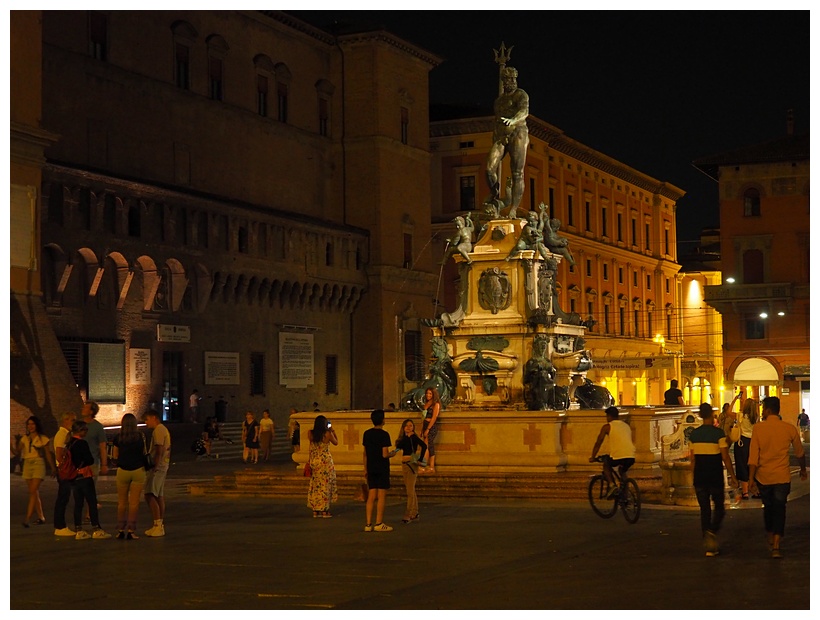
(631, 501)
(598, 490)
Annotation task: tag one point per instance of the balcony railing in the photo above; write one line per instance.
(747, 292)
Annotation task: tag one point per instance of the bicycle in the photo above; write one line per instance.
(627, 496)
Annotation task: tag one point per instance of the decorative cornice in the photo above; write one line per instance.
(28, 143)
(383, 36)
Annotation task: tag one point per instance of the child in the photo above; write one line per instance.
(83, 487)
(376, 442)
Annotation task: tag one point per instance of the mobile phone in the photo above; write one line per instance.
(329, 425)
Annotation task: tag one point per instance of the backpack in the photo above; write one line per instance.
(66, 470)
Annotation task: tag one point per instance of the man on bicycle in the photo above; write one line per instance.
(621, 449)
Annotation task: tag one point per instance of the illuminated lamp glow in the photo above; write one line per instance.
(694, 296)
(781, 313)
(764, 315)
(730, 280)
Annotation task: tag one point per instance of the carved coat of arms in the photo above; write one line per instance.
(494, 290)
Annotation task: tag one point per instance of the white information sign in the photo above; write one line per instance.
(173, 333)
(295, 359)
(139, 364)
(221, 368)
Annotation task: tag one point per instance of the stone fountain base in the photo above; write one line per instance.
(502, 441)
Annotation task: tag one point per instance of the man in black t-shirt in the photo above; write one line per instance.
(377, 454)
(673, 396)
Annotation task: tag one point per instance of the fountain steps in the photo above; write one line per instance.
(551, 486)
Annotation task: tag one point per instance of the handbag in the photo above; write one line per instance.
(147, 457)
(307, 472)
(734, 433)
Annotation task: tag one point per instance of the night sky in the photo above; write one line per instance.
(654, 90)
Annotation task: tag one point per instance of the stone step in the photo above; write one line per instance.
(280, 449)
(563, 486)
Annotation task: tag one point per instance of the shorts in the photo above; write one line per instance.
(34, 469)
(378, 480)
(155, 483)
(621, 464)
(127, 477)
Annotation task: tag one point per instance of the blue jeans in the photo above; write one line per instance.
(708, 495)
(774, 498)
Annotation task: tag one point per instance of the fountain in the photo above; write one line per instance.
(509, 363)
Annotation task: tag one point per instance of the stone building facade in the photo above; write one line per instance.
(237, 203)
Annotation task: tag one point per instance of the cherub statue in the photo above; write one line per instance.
(462, 241)
(555, 242)
(532, 237)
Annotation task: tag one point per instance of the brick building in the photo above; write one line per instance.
(763, 297)
(237, 202)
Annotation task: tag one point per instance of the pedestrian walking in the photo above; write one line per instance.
(769, 469)
(708, 453)
(34, 448)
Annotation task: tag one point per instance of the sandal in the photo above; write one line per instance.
(39, 522)
(131, 536)
(745, 496)
(120, 535)
(326, 515)
(317, 514)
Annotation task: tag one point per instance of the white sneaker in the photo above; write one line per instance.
(368, 528)
(82, 535)
(156, 531)
(100, 534)
(64, 532)
(381, 527)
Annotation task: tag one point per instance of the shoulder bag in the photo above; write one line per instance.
(147, 457)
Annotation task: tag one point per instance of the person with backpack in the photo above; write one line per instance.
(63, 485)
(83, 487)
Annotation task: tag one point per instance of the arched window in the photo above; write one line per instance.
(217, 51)
(324, 92)
(265, 73)
(184, 36)
(751, 203)
(283, 79)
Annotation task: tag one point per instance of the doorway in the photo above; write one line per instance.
(171, 389)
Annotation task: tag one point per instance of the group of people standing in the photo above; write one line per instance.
(78, 454)
(257, 435)
(377, 452)
(761, 458)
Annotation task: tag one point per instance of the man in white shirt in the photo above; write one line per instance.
(621, 449)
